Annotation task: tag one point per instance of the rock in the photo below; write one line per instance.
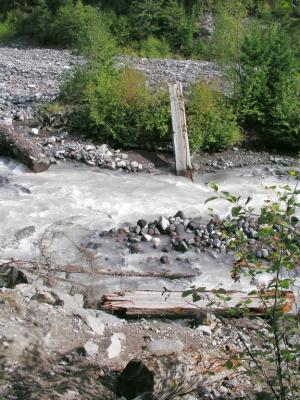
(34, 131)
(204, 329)
(196, 167)
(43, 296)
(180, 245)
(121, 164)
(165, 347)
(142, 223)
(103, 149)
(193, 225)
(134, 165)
(164, 260)
(180, 214)
(135, 248)
(115, 347)
(163, 224)
(147, 238)
(156, 242)
(180, 230)
(92, 322)
(90, 147)
(265, 253)
(217, 243)
(90, 349)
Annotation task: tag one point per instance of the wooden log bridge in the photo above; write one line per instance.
(171, 304)
(180, 135)
(14, 143)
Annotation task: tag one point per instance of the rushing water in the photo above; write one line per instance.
(94, 199)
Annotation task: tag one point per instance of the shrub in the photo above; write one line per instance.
(34, 22)
(115, 106)
(7, 30)
(269, 97)
(274, 361)
(211, 120)
(155, 48)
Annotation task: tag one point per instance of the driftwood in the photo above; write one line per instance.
(164, 377)
(69, 269)
(172, 304)
(15, 144)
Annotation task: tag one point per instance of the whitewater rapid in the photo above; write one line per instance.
(97, 199)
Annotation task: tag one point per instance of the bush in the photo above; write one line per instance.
(211, 120)
(269, 95)
(115, 106)
(7, 30)
(155, 48)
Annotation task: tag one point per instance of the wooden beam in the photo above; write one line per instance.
(180, 135)
(14, 143)
(172, 304)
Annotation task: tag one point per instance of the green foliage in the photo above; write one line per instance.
(115, 106)
(229, 31)
(7, 30)
(269, 95)
(211, 120)
(155, 48)
(274, 361)
(166, 20)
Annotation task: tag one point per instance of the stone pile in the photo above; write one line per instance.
(57, 148)
(158, 71)
(181, 234)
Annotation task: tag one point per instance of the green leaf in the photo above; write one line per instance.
(229, 364)
(248, 200)
(293, 173)
(213, 186)
(235, 211)
(284, 283)
(211, 199)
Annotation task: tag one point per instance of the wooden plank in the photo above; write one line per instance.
(180, 135)
(172, 304)
(13, 143)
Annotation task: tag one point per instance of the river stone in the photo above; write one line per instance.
(142, 223)
(156, 242)
(121, 164)
(163, 224)
(204, 329)
(165, 347)
(164, 259)
(90, 348)
(92, 322)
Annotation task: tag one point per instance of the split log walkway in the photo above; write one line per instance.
(172, 304)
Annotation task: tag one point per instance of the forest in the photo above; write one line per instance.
(256, 44)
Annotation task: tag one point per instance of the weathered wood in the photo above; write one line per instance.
(172, 304)
(15, 144)
(180, 135)
(70, 268)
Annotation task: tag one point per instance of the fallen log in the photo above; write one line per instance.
(77, 269)
(14, 143)
(172, 304)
